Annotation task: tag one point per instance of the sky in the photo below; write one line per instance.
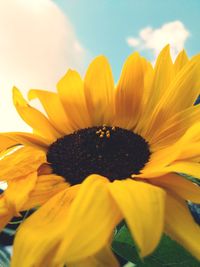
(105, 26)
(41, 39)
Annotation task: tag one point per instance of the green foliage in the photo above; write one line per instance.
(9, 231)
(124, 246)
(4, 258)
(168, 253)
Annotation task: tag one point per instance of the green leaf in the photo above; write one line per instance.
(9, 231)
(4, 257)
(168, 253)
(124, 246)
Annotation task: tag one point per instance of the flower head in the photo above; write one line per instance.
(101, 154)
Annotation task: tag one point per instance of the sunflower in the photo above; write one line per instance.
(103, 153)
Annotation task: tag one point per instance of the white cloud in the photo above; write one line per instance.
(173, 33)
(133, 41)
(37, 45)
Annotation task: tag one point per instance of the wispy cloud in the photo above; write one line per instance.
(173, 33)
(38, 44)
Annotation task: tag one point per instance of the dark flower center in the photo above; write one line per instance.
(113, 152)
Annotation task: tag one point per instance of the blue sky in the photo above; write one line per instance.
(102, 26)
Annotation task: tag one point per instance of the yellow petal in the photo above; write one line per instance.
(45, 188)
(180, 61)
(161, 161)
(54, 233)
(5, 214)
(18, 191)
(148, 80)
(20, 138)
(192, 135)
(38, 237)
(6, 142)
(53, 108)
(3, 205)
(191, 152)
(102, 259)
(179, 185)
(71, 93)
(181, 94)
(142, 206)
(129, 92)
(163, 75)
(186, 167)
(190, 138)
(175, 127)
(33, 117)
(97, 221)
(147, 92)
(21, 163)
(99, 91)
(181, 226)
